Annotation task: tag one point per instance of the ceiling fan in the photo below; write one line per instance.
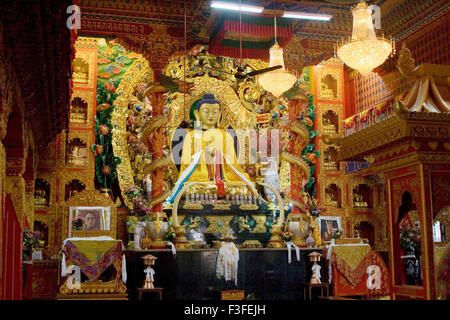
(241, 75)
(174, 85)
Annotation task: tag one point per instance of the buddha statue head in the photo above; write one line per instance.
(208, 111)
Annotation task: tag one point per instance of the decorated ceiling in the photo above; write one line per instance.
(156, 27)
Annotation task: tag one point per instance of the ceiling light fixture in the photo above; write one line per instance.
(364, 51)
(236, 6)
(307, 16)
(278, 81)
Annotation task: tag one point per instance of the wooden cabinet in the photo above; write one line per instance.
(41, 280)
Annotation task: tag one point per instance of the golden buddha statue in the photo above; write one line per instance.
(40, 199)
(359, 202)
(330, 200)
(209, 156)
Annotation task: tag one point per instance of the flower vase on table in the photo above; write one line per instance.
(298, 225)
(157, 228)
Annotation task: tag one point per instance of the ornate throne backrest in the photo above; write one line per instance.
(99, 206)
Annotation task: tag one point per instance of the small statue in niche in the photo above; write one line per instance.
(359, 201)
(328, 126)
(330, 199)
(328, 86)
(81, 71)
(77, 152)
(78, 110)
(40, 198)
(328, 161)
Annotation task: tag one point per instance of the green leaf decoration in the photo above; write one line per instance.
(313, 133)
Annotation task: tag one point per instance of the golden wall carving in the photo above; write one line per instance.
(29, 208)
(139, 72)
(89, 57)
(50, 178)
(326, 181)
(337, 108)
(358, 181)
(322, 92)
(15, 186)
(88, 97)
(85, 176)
(49, 217)
(327, 168)
(47, 159)
(87, 138)
(413, 125)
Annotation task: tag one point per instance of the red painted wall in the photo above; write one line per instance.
(12, 254)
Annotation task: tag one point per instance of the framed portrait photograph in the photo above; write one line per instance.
(89, 219)
(328, 226)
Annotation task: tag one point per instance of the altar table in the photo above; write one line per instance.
(93, 256)
(191, 273)
(348, 270)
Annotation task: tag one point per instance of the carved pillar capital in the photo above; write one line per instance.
(15, 187)
(15, 166)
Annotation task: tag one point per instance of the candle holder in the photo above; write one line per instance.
(149, 260)
(315, 277)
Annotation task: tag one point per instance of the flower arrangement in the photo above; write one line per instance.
(30, 239)
(169, 236)
(78, 223)
(312, 205)
(139, 204)
(410, 240)
(287, 236)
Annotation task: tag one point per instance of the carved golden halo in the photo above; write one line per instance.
(137, 73)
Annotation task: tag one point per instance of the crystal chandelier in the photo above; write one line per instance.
(277, 81)
(364, 51)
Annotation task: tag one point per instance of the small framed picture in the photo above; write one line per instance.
(92, 219)
(329, 227)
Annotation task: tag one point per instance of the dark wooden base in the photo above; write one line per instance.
(93, 296)
(158, 292)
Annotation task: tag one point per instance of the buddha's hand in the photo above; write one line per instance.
(209, 149)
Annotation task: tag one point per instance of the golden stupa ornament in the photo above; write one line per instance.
(364, 51)
(277, 81)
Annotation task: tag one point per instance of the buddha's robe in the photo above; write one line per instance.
(209, 156)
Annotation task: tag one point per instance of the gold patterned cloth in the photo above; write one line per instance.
(351, 261)
(93, 257)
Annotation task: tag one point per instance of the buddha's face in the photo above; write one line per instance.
(208, 114)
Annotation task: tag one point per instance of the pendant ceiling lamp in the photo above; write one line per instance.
(278, 81)
(364, 51)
